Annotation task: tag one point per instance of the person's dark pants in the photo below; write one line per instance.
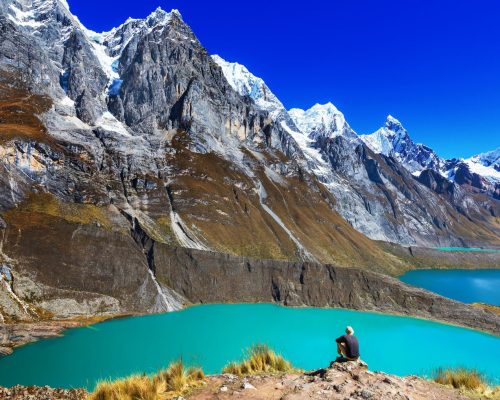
(342, 350)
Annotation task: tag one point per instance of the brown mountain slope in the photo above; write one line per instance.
(224, 205)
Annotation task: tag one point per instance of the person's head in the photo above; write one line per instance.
(349, 330)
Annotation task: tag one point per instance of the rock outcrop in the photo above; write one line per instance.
(350, 380)
(41, 393)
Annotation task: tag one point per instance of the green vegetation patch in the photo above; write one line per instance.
(49, 205)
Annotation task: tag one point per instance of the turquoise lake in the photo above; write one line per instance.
(468, 286)
(473, 249)
(212, 335)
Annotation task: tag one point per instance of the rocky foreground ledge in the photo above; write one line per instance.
(349, 380)
(41, 393)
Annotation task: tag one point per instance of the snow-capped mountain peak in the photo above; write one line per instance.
(393, 140)
(394, 128)
(247, 84)
(321, 120)
(488, 159)
(32, 14)
(157, 17)
(486, 165)
(161, 17)
(391, 121)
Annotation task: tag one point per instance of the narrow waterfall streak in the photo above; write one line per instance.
(13, 188)
(23, 304)
(304, 253)
(171, 303)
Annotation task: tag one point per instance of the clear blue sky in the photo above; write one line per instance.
(433, 64)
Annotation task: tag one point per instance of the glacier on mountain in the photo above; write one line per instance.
(247, 84)
(486, 165)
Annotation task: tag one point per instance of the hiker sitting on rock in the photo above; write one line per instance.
(347, 345)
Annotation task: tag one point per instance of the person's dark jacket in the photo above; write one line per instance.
(351, 344)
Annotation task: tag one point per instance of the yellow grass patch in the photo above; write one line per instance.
(261, 359)
(173, 381)
(48, 204)
(468, 381)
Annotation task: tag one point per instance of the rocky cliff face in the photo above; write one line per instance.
(204, 277)
(383, 199)
(113, 143)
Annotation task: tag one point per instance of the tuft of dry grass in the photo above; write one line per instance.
(469, 381)
(166, 384)
(132, 388)
(261, 359)
(459, 378)
(177, 378)
(488, 307)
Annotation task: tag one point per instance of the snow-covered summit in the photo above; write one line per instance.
(393, 139)
(486, 165)
(247, 84)
(32, 14)
(390, 138)
(158, 17)
(488, 159)
(117, 38)
(321, 120)
(390, 121)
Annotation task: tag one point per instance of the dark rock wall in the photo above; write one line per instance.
(205, 277)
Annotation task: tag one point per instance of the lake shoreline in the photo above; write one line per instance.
(27, 333)
(417, 258)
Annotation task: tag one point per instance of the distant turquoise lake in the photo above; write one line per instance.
(477, 249)
(212, 335)
(468, 286)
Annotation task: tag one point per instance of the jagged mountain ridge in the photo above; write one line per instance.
(390, 140)
(371, 177)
